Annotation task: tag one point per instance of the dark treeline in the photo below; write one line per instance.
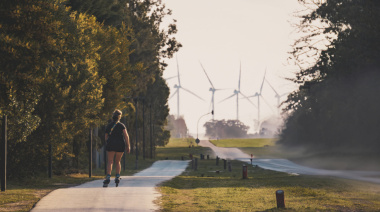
(336, 109)
(66, 65)
(226, 129)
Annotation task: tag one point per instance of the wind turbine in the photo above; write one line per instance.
(276, 96)
(236, 93)
(178, 87)
(170, 78)
(258, 95)
(212, 89)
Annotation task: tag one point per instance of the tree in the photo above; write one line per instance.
(177, 127)
(56, 59)
(226, 129)
(334, 108)
(150, 44)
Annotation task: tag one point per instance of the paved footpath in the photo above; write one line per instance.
(135, 193)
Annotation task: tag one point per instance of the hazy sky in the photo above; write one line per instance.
(221, 34)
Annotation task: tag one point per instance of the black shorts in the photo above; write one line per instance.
(115, 146)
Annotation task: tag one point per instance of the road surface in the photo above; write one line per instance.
(135, 193)
(283, 165)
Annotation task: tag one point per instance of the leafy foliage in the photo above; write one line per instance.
(226, 129)
(335, 109)
(65, 69)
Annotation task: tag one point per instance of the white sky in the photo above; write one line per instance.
(221, 34)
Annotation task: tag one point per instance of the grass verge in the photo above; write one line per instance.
(23, 195)
(205, 190)
(237, 142)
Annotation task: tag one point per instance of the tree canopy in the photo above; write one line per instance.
(335, 108)
(66, 65)
(226, 129)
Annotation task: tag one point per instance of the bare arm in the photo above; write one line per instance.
(127, 144)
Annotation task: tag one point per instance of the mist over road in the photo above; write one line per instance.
(284, 165)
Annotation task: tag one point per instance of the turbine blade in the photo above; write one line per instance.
(170, 78)
(192, 93)
(221, 89)
(266, 102)
(207, 76)
(173, 94)
(228, 97)
(262, 83)
(239, 77)
(246, 97)
(271, 87)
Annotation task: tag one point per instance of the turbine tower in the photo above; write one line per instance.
(178, 88)
(236, 93)
(212, 89)
(258, 95)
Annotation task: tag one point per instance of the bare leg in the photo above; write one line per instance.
(117, 161)
(110, 156)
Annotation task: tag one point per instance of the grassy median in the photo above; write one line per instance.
(212, 188)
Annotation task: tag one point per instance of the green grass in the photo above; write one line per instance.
(256, 142)
(178, 148)
(22, 195)
(205, 190)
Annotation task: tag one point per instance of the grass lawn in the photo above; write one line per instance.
(237, 142)
(22, 195)
(205, 190)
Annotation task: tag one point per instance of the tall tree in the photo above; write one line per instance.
(335, 107)
(226, 129)
(56, 59)
(150, 44)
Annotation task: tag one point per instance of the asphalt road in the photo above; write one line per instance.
(135, 193)
(283, 165)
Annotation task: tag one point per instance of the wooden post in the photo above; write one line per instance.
(50, 162)
(3, 152)
(151, 132)
(225, 164)
(245, 172)
(196, 164)
(229, 166)
(217, 160)
(90, 154)
(280, 198)
(105, 153)
(136, 148)
(143, 100)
